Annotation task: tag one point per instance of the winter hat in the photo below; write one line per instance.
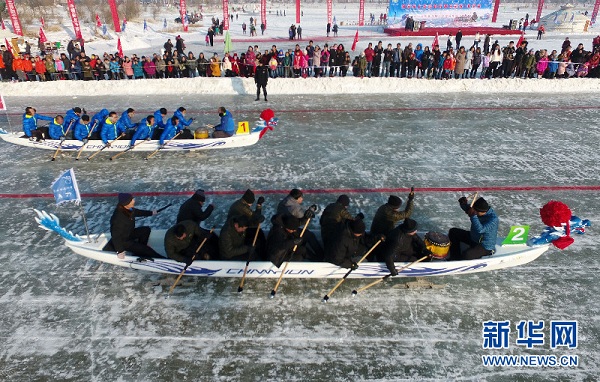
(125, 199)
(357, 226)
(199, 196)
(394, 201)
(408, 225)
(344, 200)
(248, 196)
(290, 222)
(296, 193)
(481, 205)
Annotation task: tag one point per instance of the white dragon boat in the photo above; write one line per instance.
(505, 256)
(237, 140)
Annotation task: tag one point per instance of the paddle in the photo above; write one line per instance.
(241, 287)
(193, 258)
(105, 146)
(161, 146)
(127, 149)
(62, 141)
(164, 208)
(88, 138)
(326, 297)
(355, 292)
(274, 291)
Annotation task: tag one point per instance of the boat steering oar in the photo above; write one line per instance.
(274, 291)
(127, 149)
(161, 146)
(326, 297)
(105, 146)
(193, 258)
(62, 141)
(88, 139)
(355, 292)
(241, 287)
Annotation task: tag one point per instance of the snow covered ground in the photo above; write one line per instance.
(65, 318)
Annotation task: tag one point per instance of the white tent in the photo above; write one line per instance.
(566, 19)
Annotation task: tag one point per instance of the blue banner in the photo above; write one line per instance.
(65, 188)
(439, 13)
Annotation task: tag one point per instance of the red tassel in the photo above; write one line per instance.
(555, 213)
(563, 242)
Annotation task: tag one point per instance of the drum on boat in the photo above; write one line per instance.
(438, 244)
(201, 133)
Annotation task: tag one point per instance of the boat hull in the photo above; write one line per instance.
(504, 257)
(146, 146)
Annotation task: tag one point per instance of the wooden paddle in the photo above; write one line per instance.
(355, 292)
(62, 141)
(127, 149)
(105, 146)
(158, 149)
(326, 297)
(193, 258)
(85, 144)
(241, 287)
(274, 291)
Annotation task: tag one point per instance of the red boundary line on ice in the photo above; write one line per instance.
(326, 191)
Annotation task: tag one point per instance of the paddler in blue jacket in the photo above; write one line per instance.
(481, 239)
(144, 130)
(57, 129)
(170, 130)
(125, 123)
(72, 117)
(227, 126)
(30, 127)
(186, 134)
(110, 131)
(160, 120)
(85, 129)
(99, 118)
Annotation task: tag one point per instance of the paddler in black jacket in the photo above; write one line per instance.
(283, 237)
(243, 207)
(124, 235)
(349, 244)
(183, 240)
(335, 214)
(403, 244)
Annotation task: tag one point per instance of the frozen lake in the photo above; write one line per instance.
(66, 318)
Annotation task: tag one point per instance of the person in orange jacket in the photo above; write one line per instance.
(17, 67)
(40, 68)
(28, 68)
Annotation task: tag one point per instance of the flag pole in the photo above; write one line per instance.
(87, 230)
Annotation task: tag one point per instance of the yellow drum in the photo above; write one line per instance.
(438, 244)
(201, 133)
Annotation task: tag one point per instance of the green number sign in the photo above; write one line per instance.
(517, 235)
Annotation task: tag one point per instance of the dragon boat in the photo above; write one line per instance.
(507, 254)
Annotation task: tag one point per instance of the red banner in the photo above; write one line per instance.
(43, 23)
(183, 15)
(98, 21)
(495, 13)
(361, 13)
(14, 17)
(226, 15)
(74, 19)
(595, 12)
(329, 10)
(355, 41)
(263, 12)
(539, 12)
(43, 38)
(115, 15)
(297, 11)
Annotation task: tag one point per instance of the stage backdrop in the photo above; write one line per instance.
(440, 13)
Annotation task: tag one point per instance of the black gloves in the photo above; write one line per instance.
(251, 252)
(354, 266)
(309, 214)
(462, 200)
(260, 200)
(62, 138)
(411, 195)
(471, 212)
(85, 140)
(188, 261)
(394, 272)
(359, 216)
(381, 237)
(313, 208)
(84, 112)
(261, 219)
(298, 241)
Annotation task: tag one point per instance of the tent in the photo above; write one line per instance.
(566, 19)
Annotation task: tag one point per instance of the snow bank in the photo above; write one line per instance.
(288, 86)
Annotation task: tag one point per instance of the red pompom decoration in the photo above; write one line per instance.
(267, 115)
(555, 213)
